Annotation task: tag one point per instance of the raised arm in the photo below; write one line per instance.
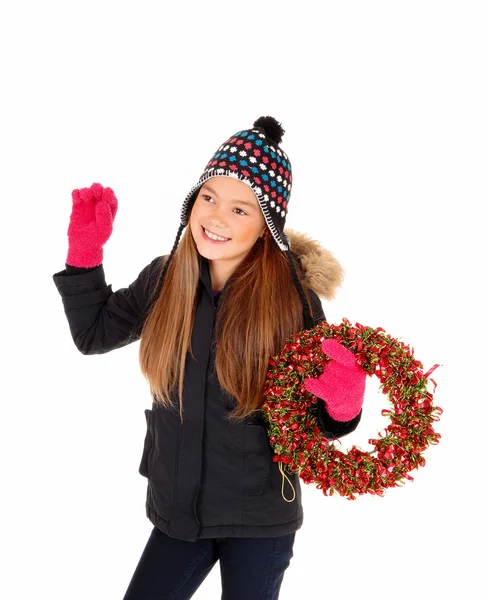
(99, 319)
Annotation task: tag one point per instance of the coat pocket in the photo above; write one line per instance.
(258, 457)
(148, 442)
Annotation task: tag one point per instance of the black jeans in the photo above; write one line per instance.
(172, 569)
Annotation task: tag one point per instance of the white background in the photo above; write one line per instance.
(384, 109)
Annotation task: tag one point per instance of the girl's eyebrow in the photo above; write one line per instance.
(244, 202)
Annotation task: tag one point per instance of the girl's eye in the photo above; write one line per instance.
(205, 198)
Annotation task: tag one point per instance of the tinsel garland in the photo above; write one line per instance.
(296, 438)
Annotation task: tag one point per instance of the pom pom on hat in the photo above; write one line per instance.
(271, 127)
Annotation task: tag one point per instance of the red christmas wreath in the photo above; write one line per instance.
(299, 443)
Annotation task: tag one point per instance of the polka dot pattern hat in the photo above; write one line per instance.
(254, 156)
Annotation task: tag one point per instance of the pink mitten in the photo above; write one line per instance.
(342, 383)
(91, 224)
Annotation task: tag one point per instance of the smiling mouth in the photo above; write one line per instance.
(210, 231)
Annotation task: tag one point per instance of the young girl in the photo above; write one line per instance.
(209, 316)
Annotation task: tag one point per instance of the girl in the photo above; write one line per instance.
(209, 316)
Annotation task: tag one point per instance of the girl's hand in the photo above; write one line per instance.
(91, 224)
(342, 383)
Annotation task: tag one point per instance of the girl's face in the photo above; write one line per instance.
(227, 208)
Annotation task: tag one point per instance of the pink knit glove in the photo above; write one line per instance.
(342, 383)
(91, 224)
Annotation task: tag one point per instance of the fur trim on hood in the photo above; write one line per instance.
(322, 271)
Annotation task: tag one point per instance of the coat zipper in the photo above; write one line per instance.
(203, 418)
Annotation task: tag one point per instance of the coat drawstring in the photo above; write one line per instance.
(283, 483)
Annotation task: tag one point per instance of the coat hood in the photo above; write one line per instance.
(322, 271)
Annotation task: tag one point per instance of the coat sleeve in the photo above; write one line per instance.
(329, 426)
(100, 319)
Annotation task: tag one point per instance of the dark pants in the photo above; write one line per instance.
(250, 568)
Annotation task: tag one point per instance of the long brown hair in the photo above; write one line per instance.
(259, 310)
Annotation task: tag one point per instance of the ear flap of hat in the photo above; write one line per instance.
(191, 202)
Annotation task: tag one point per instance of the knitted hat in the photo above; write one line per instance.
(253, 156)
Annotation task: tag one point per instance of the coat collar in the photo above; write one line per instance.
(321, 270)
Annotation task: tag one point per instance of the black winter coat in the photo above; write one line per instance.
(207, 478)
